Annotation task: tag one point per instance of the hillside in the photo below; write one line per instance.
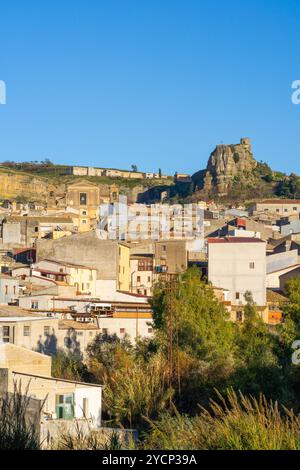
(232, 175)
(31, 182)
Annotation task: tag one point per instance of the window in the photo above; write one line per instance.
(285, 210)
(67, 342)
(64, 406)
(150, 330)
(138, 279)
(277, 210)
(26, 331)
(149, 278)
(239, 316)
(83, 199)
(36, 229)
(122, 331)
(6, 334)
(237, 295)
(145, 265)
(34, 305)
(83, 222)
(295, 209)
(104, 331)
(46, 330)
(252, 265)
(83, 212)
(85, 407)
(14, 290)
(145, 291)
(6, 290)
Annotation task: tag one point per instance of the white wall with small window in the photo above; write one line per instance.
(87, 404)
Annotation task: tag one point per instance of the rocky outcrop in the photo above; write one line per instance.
(225, 163)
(13, 185)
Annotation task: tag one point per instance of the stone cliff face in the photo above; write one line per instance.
(226, 163)
(38, 189)
(13, 185)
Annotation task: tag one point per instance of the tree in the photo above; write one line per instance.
(193, 332)
(70, 367)
(292, 309)
(257, 366)
(134, 167)
(198, 317)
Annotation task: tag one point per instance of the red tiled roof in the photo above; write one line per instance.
(235, 240)
(22, 250)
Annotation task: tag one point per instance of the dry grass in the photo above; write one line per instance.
(16, 430)
(234, 422)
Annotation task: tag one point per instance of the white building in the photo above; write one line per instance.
(239, 265)
(9, 289)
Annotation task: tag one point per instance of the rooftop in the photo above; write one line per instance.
(7, 277)
(276, 296)
(8, 311)
(63, 263)
(279, 201)
(45, 377)
(47, 219)
(76, 325)
(235, 240)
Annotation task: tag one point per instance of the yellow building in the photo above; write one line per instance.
(124, 267)
(82, 277)
(84, 197)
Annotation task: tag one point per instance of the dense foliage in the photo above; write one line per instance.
(172, 388)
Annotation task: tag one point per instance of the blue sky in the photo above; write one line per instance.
(156, 83)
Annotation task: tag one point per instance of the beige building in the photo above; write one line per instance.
(25, 230)
(82, 277)
(28, 330)
(85, 198)
(280, 207)
(102, 255)
(141, 274)
(9, 289)
(58, 401)
(132, 324)
(238, 265)
(170, 256)
(75, 336)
